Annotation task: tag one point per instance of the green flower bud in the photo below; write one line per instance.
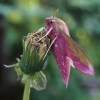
(33, 52)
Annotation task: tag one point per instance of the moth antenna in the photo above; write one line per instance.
(55, 13)
(49, 47)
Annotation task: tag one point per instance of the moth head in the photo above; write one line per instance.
(51, 20)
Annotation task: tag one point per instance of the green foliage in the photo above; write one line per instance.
(83, 20)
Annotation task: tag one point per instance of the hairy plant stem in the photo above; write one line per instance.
(26, 95)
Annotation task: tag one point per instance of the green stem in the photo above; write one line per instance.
(27, 91)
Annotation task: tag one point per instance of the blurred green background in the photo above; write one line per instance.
(19, 17)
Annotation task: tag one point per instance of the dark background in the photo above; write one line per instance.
(19, 17)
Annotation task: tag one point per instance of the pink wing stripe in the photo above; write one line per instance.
(85, 68)
(79, 58)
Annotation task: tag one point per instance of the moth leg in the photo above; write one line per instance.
(50, 47)
(43, 36)
(43, 28)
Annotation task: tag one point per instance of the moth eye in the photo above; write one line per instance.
(51, 21)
